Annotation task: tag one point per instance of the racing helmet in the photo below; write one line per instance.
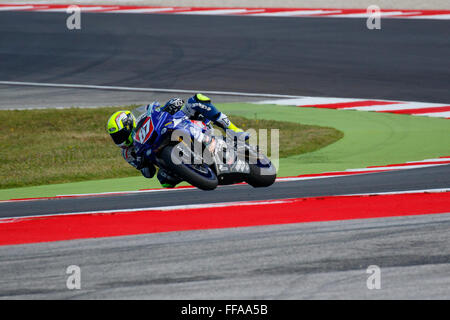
(120, 127)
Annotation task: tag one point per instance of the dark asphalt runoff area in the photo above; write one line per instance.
(328, 57)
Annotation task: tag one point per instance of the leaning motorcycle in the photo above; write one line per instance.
(188, 149)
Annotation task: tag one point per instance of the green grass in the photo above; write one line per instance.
(59, 146)
(369, 139)
(294, 138)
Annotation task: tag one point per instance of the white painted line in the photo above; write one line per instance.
(220, 204)
(431, 16)
(112, 193)
(400, 106)
(59, 108)
(445, 114)
(431, 160)
(16, 8)
(162, 208)
(82, 9)
(124, 192)
(144, 10)
(388, 168)
(343, 174)
(316, 13)
(359, 171)
(293, 13)
(366, 15)
(119, 88)
(405, 14)
(307, 101)
(215, 12)
(402, 192)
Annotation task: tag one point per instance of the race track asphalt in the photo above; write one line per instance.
(326, 260)
(405, 60)
(412, 179)
(323, 260)
(328, 57)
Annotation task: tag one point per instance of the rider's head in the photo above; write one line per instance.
(120, 126)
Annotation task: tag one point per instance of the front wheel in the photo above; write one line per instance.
(198, 175)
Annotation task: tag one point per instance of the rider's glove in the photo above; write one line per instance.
(173, 105)
(139, 162)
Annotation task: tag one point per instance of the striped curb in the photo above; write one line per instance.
(436, 110)
(250, 12)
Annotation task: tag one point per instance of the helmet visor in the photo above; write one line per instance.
(121, 138)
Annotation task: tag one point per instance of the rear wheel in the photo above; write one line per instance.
(198, 175)
(262, 172)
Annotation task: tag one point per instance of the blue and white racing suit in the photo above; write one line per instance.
(197, 107)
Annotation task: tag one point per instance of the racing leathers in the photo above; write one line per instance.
(197, 107)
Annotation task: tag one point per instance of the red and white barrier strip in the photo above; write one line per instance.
(372, 169)
(239, 214)
(437, 110)
(249, 12)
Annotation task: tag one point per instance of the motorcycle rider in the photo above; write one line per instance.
(122, 123)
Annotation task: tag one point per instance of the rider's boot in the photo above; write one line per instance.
(167, 180)
(225, 123)
(230, 129)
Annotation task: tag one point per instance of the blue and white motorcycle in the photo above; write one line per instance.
(192, 151)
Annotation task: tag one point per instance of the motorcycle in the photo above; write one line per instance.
(190, 150)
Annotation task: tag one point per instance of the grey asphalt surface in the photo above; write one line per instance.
(406, 60)
(326, 260)
(26, 97)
